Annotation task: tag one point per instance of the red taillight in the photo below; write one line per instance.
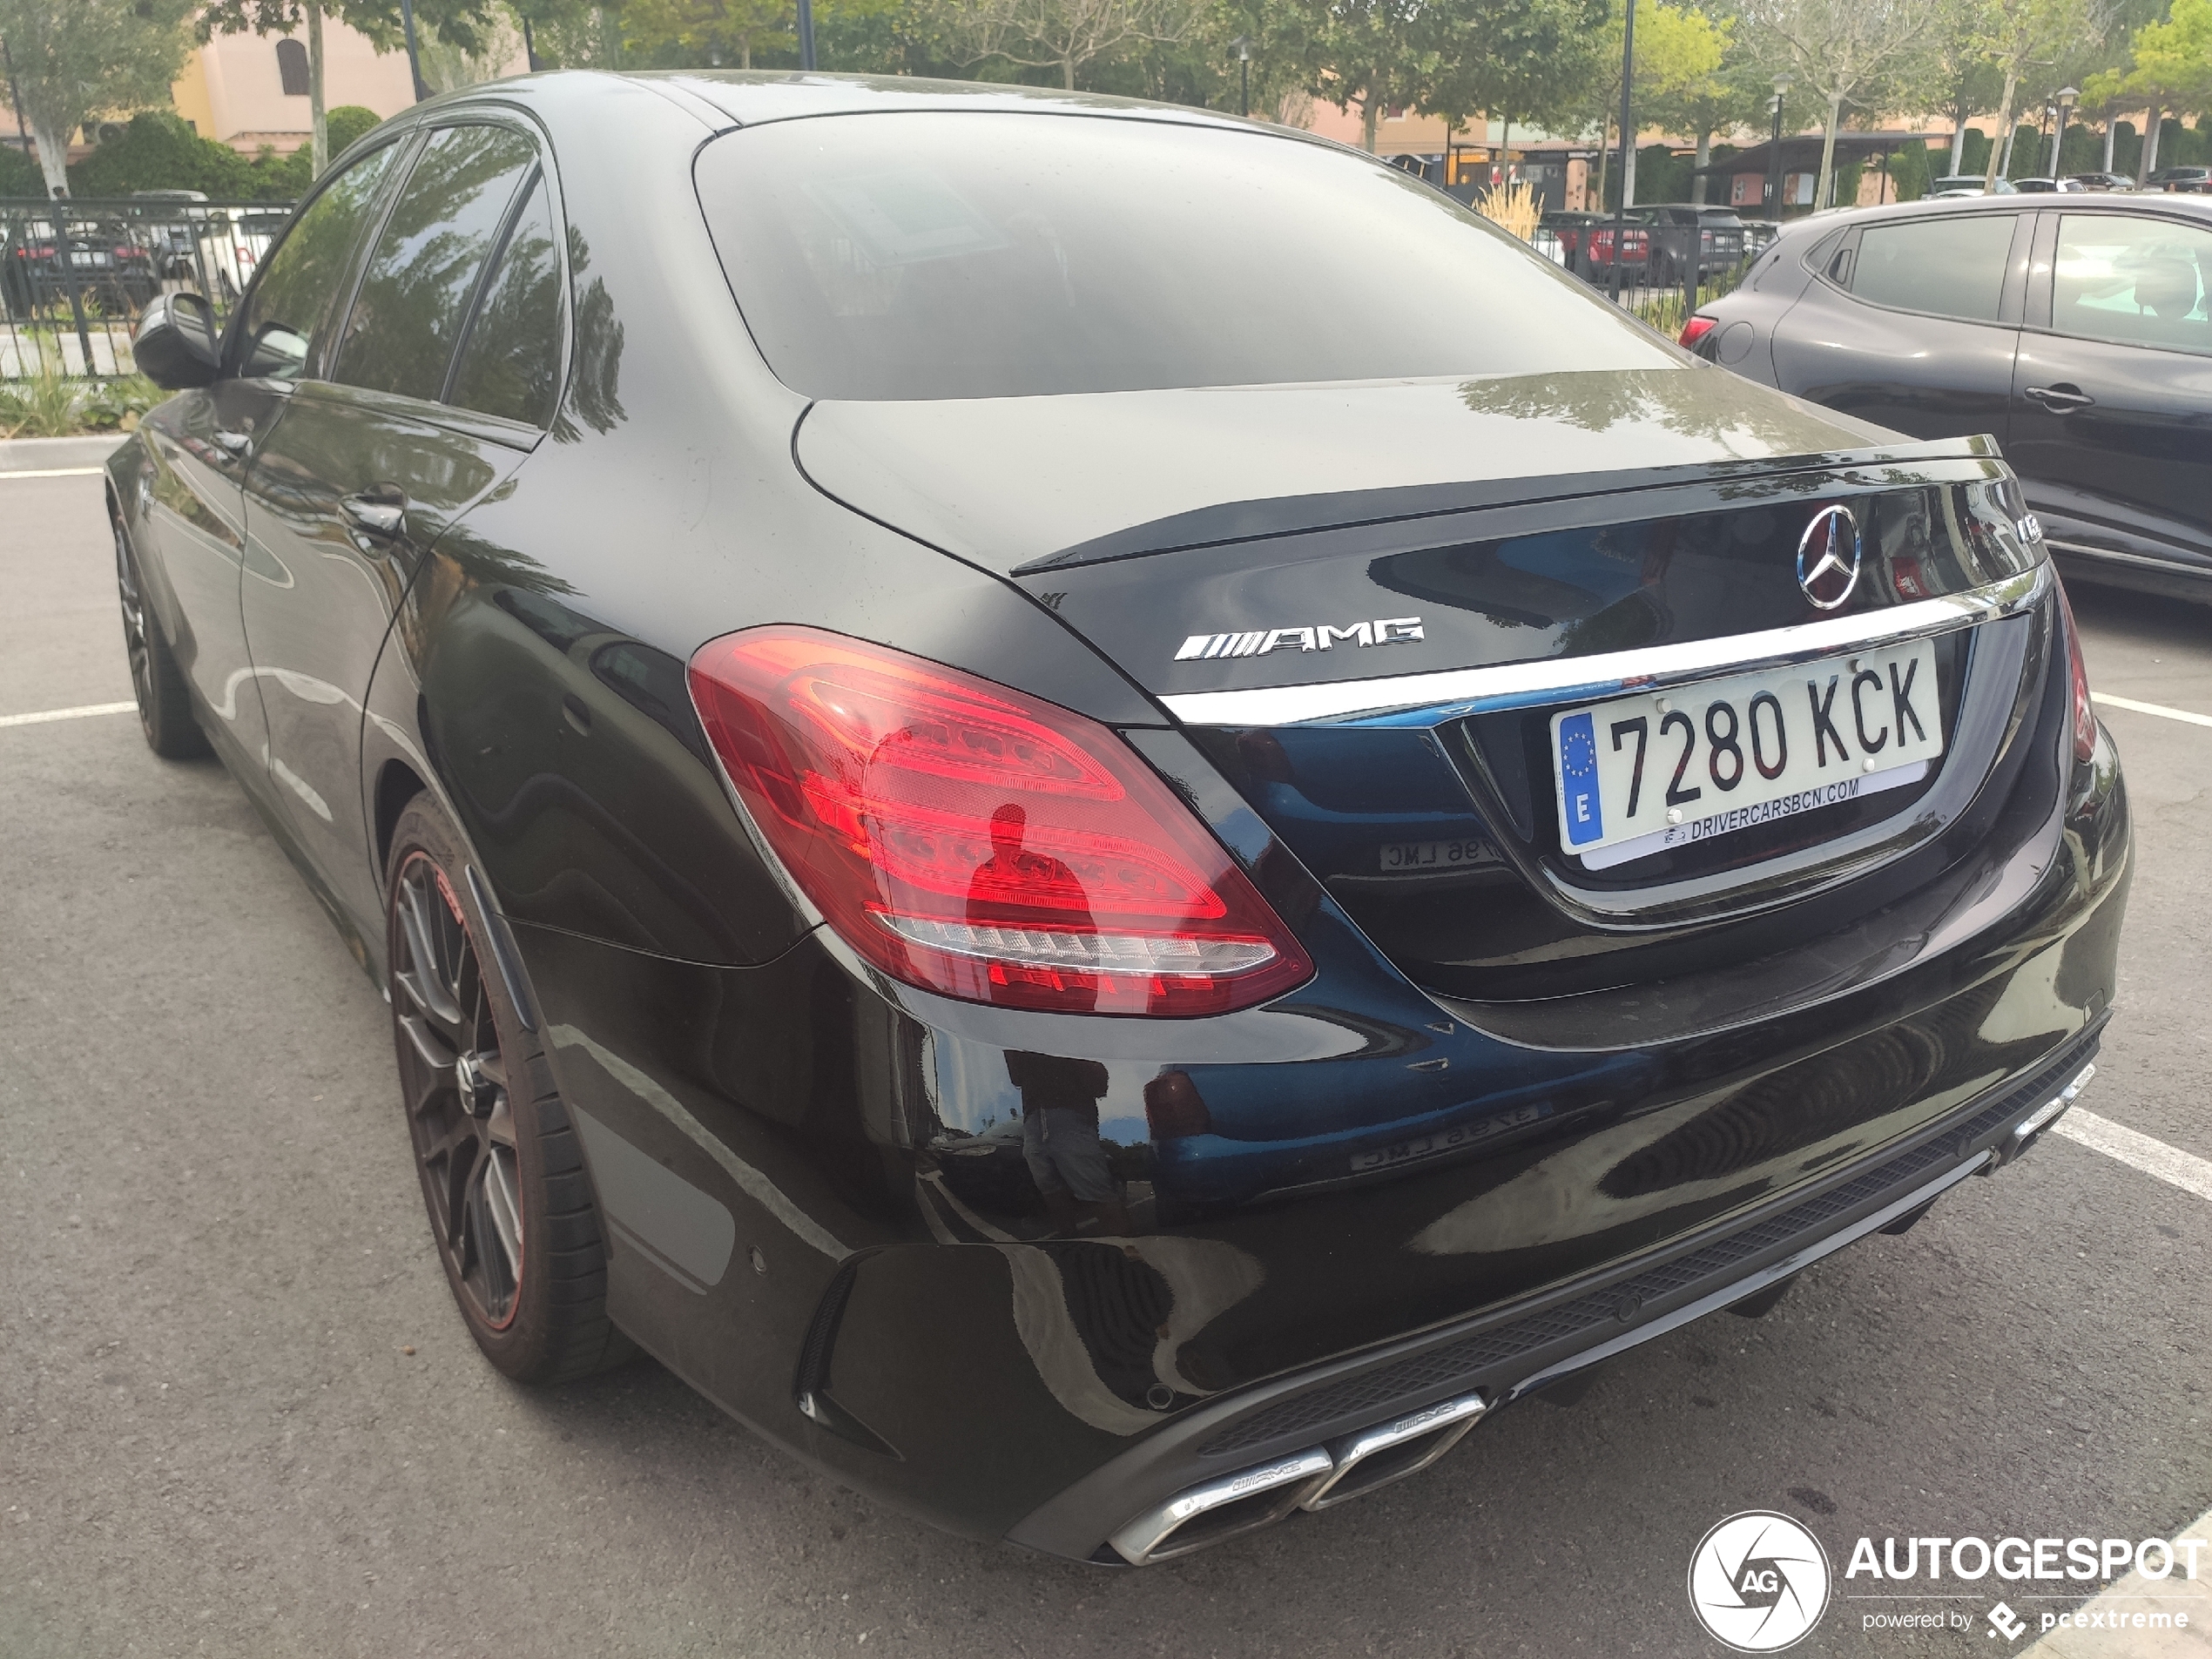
(973, 840)
(2085, 713)
(1695, 329)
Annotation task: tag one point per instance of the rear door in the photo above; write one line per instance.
(426, 403)
(1912, 324)
(2112, 410)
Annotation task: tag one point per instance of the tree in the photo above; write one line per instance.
(1862, 53)
(713, 31)
(1380, 54)
(1736, 94)
(1968, 82)
(2020, 34)
(78, 59)
(462, 21)
(2171, 69)
(1522, 60)
(1678, 48)
(1065, 35)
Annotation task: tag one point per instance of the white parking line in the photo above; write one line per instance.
(2138, 1151)
(89, 709)
(53, 472)
(2159, 709)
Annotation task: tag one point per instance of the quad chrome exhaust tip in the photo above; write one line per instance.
(1350, 1466)
(2030, 1128)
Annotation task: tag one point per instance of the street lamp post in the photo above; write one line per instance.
(805, 34)
(1774, 154)
(2065, 99)
(1627, 141)
(1243, 46)
(414, 56)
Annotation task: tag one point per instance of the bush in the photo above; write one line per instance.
(286, 178)
(1911, 168)
(19, 174)
(159, 150)
(55, 406)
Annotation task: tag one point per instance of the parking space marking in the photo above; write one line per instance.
(2138, 1151)
(88, 709)
(54, 472)
(2159, 709)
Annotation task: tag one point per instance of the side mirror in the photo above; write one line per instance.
(176, 345)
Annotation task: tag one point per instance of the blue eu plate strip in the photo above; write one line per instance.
(1578, 780)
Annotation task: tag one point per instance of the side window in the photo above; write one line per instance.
(1947, 267)
(510, 363)
(290, 306)
(406, 319)
(2142, 282)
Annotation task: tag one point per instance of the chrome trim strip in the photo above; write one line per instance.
(1150, 1537)
(2114, 555)
(1455, 1416)
(1753, 1282)
(1449, 694)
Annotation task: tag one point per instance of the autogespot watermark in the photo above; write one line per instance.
(1760, 1581)
(1937, 1561)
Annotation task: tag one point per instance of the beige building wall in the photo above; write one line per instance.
(233, 91)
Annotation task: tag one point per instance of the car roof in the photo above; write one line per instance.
(2025, 202)
(751, 98)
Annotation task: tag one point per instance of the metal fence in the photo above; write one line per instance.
(1666, 271)
(75, 275)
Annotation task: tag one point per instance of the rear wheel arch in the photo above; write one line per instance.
(397, 783)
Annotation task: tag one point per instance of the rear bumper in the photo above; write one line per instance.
(822, 1223)
(1509, 1353)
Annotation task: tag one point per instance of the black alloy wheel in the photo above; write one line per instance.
(455, 1082)
(157, 683)
(502, 1177)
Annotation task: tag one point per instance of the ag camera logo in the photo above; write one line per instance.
(1758, 1583)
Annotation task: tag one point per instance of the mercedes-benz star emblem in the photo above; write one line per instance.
(1828, 557)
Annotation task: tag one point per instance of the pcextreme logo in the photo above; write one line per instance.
(1758, 1581)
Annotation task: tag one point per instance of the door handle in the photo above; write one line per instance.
(381, 512)
(232, 444)
(2060, 398)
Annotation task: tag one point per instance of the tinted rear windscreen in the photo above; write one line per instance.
(956, 254)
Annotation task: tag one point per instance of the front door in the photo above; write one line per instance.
(370, 467)
(2111, 409)
(195, 522)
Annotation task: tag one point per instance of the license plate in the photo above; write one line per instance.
(1417, 858)
(81, 258)
(1638, 775)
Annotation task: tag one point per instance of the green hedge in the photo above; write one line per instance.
(159, 150)
(19, 174)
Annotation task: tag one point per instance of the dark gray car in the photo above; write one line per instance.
(2074, 331)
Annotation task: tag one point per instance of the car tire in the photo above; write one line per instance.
(157, 682)
(511, 1209)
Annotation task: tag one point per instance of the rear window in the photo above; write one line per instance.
(1947, 267)
(973, 254)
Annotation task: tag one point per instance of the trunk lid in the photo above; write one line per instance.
(1366, 603)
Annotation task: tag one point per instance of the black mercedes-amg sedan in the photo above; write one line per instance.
(1106, 815)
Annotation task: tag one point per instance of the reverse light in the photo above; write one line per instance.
(973, 840)
(1695, 329)
(2085, 713)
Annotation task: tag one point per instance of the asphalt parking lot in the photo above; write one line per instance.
(239, 1415)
